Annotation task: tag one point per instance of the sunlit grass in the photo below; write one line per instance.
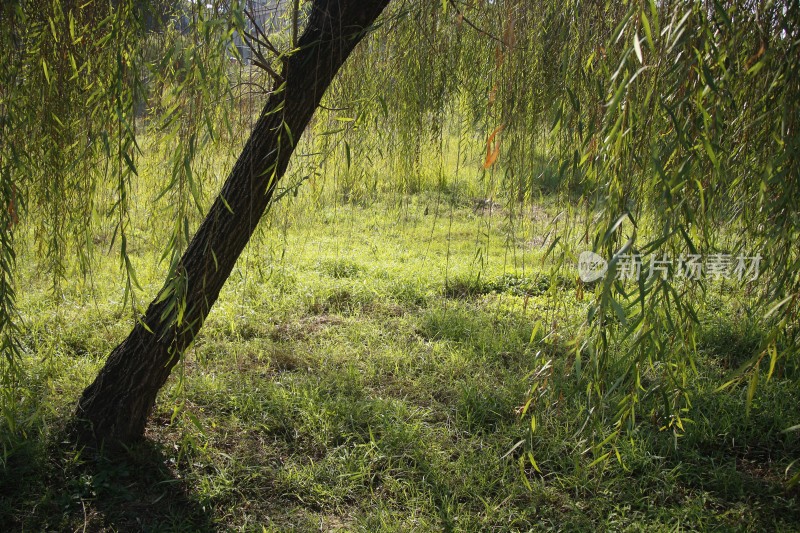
(365, 369)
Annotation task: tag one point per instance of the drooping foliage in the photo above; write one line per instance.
(666, 129)
(670, 130)
(86, 89)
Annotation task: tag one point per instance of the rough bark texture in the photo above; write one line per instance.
(115, 407)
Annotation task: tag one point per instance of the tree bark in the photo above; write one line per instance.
(115, 407)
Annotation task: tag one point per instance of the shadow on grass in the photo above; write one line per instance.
(54, 487)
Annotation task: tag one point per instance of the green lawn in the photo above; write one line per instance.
(365, 369)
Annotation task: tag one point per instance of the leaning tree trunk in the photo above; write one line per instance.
(115, 407)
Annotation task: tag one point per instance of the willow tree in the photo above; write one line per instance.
(116, 405)
(671, 127)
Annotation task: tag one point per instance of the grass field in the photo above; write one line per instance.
(366, 369)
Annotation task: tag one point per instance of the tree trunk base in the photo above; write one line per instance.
(116, 406)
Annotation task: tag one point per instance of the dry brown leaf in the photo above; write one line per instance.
(493, 147)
